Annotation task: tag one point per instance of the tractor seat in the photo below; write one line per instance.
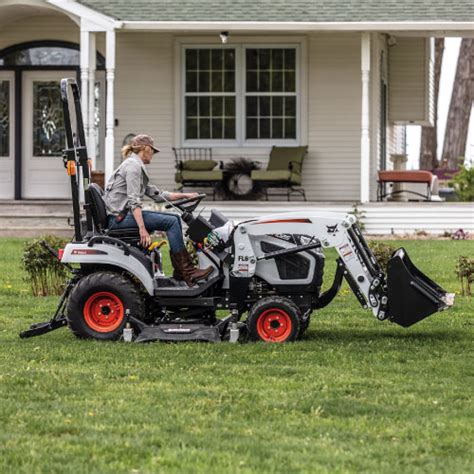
(99, 216)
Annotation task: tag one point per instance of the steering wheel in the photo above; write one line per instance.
(180, 202)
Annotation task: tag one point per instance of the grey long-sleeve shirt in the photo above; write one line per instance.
(128, 185)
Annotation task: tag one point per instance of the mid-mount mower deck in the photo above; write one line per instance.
(269, 268)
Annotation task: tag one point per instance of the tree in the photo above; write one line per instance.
(460, 107)
(429, 139)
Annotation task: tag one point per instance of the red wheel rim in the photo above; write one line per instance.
(103, 312)
(274, 325)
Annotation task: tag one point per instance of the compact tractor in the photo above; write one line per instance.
(266, 279)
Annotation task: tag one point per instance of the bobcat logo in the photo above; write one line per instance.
(332, 229)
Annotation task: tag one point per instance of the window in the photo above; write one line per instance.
(241, 94)
(270, 93)
(48, 120)
(4, 118)
(210, 94)
(44, 53)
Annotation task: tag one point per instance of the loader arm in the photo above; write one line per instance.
(384, 296)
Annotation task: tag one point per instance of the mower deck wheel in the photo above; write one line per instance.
(98, 303)
(274, 319)
(303, 326)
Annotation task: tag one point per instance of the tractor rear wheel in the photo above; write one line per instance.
(98, 304)
(274, 319)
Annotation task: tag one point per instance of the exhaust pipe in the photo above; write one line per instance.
(412, 296)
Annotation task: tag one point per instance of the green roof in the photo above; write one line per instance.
(286, 10)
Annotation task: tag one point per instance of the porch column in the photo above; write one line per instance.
(91, 144)
(365, 121)
(85, 52)
(110, 75)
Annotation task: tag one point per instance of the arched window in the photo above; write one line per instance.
(45, 53)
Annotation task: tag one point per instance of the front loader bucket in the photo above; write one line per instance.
(412, 296)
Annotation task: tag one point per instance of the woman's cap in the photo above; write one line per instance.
(144, 140)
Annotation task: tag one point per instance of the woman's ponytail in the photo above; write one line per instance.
(127, 149)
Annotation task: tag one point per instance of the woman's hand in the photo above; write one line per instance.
(145, 239)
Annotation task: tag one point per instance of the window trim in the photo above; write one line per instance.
(183, 95)
(297, 94)
(240, 47)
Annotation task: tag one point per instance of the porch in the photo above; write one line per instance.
(290, 83)
(32, 219)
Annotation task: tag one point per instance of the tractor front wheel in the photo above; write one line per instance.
(274, 319)
(98, 305)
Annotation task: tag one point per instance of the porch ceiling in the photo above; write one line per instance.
(12, 13)
(317, 11)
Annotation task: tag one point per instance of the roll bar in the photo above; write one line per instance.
(75, 155)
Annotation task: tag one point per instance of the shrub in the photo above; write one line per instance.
(383, 252)
(46, 274)
(359, 215)
(465, 273)
(463, 184)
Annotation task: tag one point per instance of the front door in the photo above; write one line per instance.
(43, 136)
(7, 144)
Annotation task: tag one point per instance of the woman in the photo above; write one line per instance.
(123, 199)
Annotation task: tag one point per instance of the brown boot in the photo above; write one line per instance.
(198, 274)
(185, 269)
(176, 273)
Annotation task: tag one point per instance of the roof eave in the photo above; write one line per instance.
(253, 26)
(93, 19)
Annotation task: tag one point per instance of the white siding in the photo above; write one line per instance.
(410, 89)
(144, 97)
(145, 101)
(332, 167)
(396, 143)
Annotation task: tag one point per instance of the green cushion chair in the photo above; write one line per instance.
(196, 168)
(284, 170)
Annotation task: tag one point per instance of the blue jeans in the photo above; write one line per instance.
(170, 223)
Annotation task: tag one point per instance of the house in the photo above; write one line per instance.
(342, 77)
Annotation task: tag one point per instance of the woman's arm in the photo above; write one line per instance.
(145, 239)
(176, 196)
(157, 195)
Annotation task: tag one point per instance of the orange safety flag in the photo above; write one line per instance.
(71, 168)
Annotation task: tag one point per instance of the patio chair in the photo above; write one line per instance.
(196, 168)
(284, 170)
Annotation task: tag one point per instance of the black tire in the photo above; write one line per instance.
(274, 319)
(98, 303)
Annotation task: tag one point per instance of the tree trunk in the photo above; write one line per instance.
(429, 139)
(460, 107)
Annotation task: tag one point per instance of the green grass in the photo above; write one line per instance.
(354, 395)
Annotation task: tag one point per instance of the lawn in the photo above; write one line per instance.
(355, 395)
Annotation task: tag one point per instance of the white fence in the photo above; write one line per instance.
(379, 218)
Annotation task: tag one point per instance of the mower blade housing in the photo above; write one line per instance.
(412, 296)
